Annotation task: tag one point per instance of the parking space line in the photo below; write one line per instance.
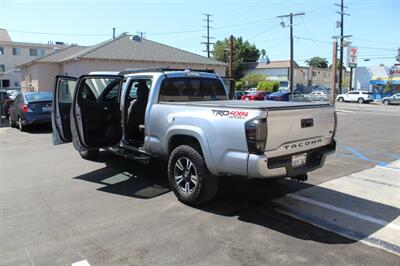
(81, 263)
(388, 168)
(345, 211)
(29, 256)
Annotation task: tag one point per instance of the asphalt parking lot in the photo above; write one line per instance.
(57, 209)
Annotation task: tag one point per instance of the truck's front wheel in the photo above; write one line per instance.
(189, 177)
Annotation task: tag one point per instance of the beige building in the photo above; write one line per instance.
(124, 52)
(13, 54)
(279, 70)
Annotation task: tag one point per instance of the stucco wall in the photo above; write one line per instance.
(40, 76)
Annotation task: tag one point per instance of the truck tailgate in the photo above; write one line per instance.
(295, 130)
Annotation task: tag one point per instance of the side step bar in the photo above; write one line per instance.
(131, 153)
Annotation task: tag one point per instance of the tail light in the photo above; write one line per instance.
(252, 98)
(25, 108)
(256, 135)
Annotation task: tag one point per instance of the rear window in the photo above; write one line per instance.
(191, 89)
(38, 97)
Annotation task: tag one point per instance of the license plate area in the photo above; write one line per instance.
(46, 109)
(299, 160)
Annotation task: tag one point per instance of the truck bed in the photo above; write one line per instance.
(255, 104)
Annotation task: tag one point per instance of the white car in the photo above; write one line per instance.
(356, 96)
(317, 96)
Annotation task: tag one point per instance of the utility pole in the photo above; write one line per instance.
(341, 42)
(231, 54)
(333, 72)
(207, 37)
(113, 33)
(291, 71)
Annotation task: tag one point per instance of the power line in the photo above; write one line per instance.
(59, 33)
(265, 31)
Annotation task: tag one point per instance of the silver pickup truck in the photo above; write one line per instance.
(185, 117)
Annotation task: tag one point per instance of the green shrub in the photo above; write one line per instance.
(270, 86)
(251, 80)
(239, 85)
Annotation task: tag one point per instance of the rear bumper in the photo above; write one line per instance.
(33, 119)
(260, 166)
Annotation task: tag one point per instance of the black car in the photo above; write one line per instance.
(30, 108)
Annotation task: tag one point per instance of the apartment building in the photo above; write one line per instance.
(13, 54)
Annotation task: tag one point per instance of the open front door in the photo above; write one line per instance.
(64, 91)
(96, 112)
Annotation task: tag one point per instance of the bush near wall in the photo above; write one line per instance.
(270, 86)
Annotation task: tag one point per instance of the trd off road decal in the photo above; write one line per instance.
(231, 114)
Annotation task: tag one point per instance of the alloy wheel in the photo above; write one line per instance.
(185, 175)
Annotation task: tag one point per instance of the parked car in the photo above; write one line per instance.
(239, 94)
(256, 96)
(12, 94)
(186, 118)
(356, 96)
(251, 90)
(5, 102)
(285, 96)
(317, 96)
(394, 99)
(31, 108)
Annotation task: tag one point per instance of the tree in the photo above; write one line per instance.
(317, 61)
(270, 86)
(244, 53)
(251, 80)
(337, 65)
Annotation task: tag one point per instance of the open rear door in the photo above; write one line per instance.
(96, 112)
(64, 90)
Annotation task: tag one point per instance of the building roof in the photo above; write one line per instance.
(276, 64)
(126, 47)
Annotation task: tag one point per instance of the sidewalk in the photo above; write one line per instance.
(363, 206)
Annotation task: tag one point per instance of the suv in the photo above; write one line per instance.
(355, 96)
(185, 117)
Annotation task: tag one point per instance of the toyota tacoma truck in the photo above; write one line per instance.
(185, 117)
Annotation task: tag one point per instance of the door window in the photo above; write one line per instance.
(100, 90)
(66, 90)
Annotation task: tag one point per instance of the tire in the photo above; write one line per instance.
(196, 185)
(360, 100)
(89, 154)
(386, 102)
(21, 127)
(341, 99)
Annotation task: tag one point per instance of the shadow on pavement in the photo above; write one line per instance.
(128, 178)
(250, 200)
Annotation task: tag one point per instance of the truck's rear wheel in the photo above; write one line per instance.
(189, 177)
(89, 154)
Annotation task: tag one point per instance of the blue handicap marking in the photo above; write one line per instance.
(357, 155)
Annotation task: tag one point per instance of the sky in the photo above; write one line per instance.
(179, 23)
